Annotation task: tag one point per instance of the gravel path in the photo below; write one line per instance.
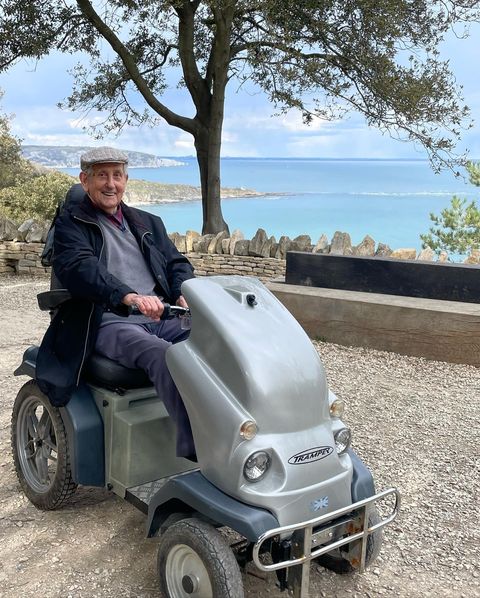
(415, 423)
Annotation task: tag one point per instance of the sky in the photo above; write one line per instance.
(32, 91)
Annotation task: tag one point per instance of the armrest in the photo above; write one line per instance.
(52, 299)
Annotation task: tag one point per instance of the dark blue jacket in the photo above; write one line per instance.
(79, 264)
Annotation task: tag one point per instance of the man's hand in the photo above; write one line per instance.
(181, 302)
(148, 305)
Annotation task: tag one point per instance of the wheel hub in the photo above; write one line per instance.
(186, 574)
(190, 583)
(36, 445)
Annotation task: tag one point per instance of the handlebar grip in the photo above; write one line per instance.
(169, 311)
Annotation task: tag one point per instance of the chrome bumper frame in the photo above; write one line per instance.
(304, 539)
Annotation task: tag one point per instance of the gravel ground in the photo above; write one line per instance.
(415, 424)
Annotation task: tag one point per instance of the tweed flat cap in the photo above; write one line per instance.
(102, 155)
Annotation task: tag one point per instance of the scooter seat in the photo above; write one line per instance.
(105, 372)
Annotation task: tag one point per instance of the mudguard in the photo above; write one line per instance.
(198, 494)
(362, 479)
(83, 425)
(84, 428)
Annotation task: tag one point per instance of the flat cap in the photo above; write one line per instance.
(102, 155)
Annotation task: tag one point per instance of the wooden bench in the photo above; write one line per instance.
(392, 305)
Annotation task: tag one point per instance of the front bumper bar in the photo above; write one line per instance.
(347, 525)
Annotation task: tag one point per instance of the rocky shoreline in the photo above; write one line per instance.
(141, 192)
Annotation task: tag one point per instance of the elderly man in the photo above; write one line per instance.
(110, 257)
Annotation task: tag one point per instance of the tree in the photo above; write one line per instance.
(457, 229)
(13, 167)
(322, 57)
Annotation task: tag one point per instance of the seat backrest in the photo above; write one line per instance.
(74, 195)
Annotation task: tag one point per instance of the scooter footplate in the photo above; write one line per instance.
(141, 496)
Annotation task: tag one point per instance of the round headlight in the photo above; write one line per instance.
(248, 430)
(256, 466)
(342, 440)
(337, 408)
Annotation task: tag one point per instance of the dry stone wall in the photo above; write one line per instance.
(21, 258)
(262, 256)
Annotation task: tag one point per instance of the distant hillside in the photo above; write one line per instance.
(57, 156)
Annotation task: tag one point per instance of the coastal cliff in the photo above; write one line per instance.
(58, 156)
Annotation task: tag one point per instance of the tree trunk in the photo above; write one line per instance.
(208, 94)
(207, 145)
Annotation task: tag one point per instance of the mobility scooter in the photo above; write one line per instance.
(274, 458)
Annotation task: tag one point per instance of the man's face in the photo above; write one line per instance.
(105, 186)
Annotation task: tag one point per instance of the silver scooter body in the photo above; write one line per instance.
(247, 359)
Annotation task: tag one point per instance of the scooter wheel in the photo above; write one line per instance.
(334, 561)
(194, 560)
(40, 449)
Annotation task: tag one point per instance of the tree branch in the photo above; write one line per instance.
(196, 85)
(129, 63)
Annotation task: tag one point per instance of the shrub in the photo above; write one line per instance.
(36, 198)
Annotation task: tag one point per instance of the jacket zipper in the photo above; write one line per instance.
(142, 239)
(91, 310)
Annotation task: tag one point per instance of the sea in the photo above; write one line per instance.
(390, 200)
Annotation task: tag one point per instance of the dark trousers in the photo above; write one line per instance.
(144, 346)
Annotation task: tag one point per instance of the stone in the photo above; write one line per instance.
(237, 235)
(443, 257)
(257, 243)
(365, 247)
(267, 247)
(35, 232)
(46, 228)
(179, 241)
(274, 249)
(226, 246)
(322, 245)
(426, 255)
(190, 237)
(201, 244)
(24, 228)
(216, 242)
(341, 244)
(474, 257)
(8, 229)
(404, 253)
(383, 250)
(302, 243)
(284, 244)
(242, 247)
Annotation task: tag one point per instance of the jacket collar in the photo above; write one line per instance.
(85, 210)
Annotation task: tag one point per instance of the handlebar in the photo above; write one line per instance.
(169, 311)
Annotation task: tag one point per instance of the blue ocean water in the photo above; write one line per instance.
(390, 200)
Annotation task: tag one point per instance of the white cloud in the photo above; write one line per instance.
(293, 122)
(184, 145)
(249, 127)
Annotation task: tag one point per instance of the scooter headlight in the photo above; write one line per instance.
(342, 439)
(256, 466)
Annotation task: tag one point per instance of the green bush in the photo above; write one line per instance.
(36, 198)
(14, 169)
(457, 228)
